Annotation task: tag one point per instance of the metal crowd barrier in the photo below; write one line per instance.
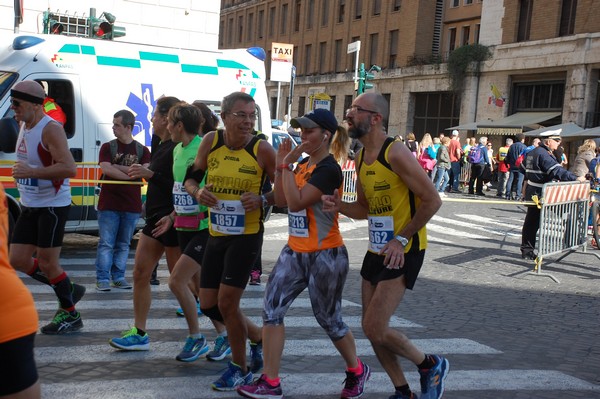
(349, 188)
(563, 221)
(465, 173)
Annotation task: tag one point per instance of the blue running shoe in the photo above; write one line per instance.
(131, 341)
(256, 357)
(432, 380)
(179, 311)
(220, 350)
(193, 349)
(232, 378)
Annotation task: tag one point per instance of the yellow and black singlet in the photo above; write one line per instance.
(391, 204)
(232, 173)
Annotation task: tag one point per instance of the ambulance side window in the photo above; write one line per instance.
(61, 91)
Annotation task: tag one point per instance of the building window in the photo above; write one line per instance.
(230, 32)
(301, 105)
(221, 32)
(357, 9)
(310, 15)
(259, 24)
(297, 16)
(451, 40)
(338, 55)
(250, 31)
(539, 95)
(376, 7)
(332, 105)
(322, 57)
(567, 17)
(341, 10)
(525, 13)
(455, 3)
(307, 59)
(396, 4)
(240, 29)
(477, 31)
(467, 2)
(324, 12)
(392, 62)
(271, 21)
(347, 104)
(434, 112)
(283, 20)
(373, 48)
(466, 31)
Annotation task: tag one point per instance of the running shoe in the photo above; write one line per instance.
(261, 389)
(102, 286)
(399, 395)
(122, 284)
(220, 350)
(232, 378)
(354, 385)
(255, 277)
(77, 291)
(63, 323)
(256, 357)
(179, 311)
(432, 380)
(131, 341)
(193, 349)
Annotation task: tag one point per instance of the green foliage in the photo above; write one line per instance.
(459, 61)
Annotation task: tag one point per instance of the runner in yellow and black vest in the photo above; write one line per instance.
(236, 164)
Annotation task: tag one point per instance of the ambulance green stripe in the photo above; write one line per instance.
(88, 50)
(120, 62)
(201, 69)
(230, 64)
(146, 56)
(70, 48)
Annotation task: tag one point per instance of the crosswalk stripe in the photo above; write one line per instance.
(245, 303)
(313, 384)
(310, 347)
(449, 232)
(473, 226)
(508, 224)
(178, 323)
(91, 288)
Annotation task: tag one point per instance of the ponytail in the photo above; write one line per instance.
(340, 144)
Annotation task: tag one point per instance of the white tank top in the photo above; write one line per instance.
(39, 193)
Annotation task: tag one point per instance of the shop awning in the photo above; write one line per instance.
(564, 129)
(593, 132)
(514, 123)
(509, 125)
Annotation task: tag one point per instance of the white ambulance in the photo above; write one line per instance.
(92, 79)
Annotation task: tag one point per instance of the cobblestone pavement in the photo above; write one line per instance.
(507, 333)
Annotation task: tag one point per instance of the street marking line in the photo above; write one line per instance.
(300, 348)
(472, 226)
(178, 323)
(124, 305)
(320, 384)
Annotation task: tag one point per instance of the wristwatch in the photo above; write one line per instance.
(403, 240)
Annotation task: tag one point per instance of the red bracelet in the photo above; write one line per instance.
(288, 166)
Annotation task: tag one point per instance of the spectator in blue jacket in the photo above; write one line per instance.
(477, 169)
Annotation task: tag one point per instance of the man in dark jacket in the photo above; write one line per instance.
(540, 167)
(516, 176)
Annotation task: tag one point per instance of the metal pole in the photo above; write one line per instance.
(278, 95)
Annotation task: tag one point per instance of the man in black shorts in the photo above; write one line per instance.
(42, 170)
(397, 198)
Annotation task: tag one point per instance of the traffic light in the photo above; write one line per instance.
(103, 27)
(364, 77)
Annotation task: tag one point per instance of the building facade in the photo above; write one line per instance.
(545, 58)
